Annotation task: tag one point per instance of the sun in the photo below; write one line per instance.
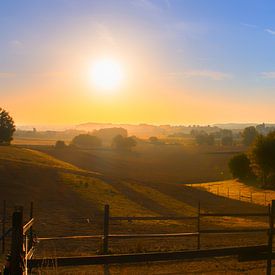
(107, 74)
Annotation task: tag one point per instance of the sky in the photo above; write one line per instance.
(183, 61)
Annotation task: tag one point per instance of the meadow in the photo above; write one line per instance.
(70, 187)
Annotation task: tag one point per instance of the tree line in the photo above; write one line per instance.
(258, 163)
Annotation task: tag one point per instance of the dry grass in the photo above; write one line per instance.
(33, 141)
(65, 195)
(153, 163)
(239, 191)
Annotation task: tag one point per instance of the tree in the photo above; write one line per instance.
(240, 167)
(60, 144)
(123, 143)
(227, 141)
(205, 138)
(7, 127)
(263, 158)
(86, 140)
(154, 140)
(249, 135)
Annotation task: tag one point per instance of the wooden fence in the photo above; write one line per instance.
(22, 242)
(238, 193)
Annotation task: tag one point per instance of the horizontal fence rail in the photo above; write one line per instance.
(234, 214)
(147, 257)
(23, 241)
(161, 218)
(70, 237)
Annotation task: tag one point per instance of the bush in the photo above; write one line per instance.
(86, 140)
(123, 143)
(60, 144)
(206, 139)
(240, 167)
(227, 141)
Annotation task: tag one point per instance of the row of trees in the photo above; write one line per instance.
(203, 138)
(119, 142)
(258, 163)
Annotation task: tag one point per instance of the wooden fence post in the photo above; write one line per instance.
(270, 237)
(17, 242)
(30, 244)
(198, 225)
(106, 230)
(4, 215)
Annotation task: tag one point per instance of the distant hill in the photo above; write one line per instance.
(240, 126)
(147, 130)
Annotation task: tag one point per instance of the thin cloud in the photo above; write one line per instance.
(268, 75)
(6, 75)
(272, 32)
(214, 75)
(249, 25)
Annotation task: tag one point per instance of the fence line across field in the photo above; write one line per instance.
(241, 193)
(23, 240)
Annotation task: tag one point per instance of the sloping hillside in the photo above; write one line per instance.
(69, 201)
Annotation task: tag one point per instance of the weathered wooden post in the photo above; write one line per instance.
(270, 237)
(198, 225)
(17, 242)
(106, 229)
(30, 244)
(4, 215)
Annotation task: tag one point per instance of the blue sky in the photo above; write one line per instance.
(222, 50)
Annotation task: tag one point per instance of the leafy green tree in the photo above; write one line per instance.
(263, 158)
(7, 127)
(86, 140)
(249, 135)
(240, 167)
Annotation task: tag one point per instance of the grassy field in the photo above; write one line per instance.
(238, 190)
(69, 200)
(154, 163)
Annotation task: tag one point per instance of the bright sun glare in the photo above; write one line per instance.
(107, 74)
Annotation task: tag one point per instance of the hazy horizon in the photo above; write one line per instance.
(62, 127)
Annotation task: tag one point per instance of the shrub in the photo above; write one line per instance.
(60, 144)
(123, 143)
(240, 167)
(86, 140)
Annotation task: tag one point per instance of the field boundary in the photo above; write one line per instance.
(22, 245)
